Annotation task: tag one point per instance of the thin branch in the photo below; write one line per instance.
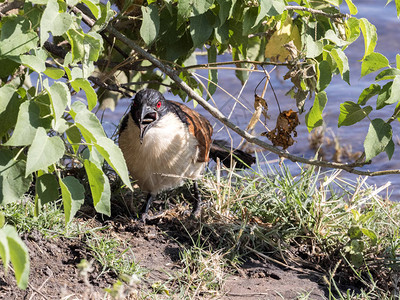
(173, 74)
(145, 82)
(111, 87)
(10, 5)
(89, 21)
(318, 12)
(254, 62)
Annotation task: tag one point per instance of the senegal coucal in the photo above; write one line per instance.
(165, 142)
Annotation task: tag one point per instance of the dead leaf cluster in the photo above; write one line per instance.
(286, 124)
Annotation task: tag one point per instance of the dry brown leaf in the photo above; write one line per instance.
(286, 124)
(261, 107)
(259, 101)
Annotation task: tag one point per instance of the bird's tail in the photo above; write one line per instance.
(220, 149)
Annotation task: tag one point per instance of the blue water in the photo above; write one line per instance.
(388, 26)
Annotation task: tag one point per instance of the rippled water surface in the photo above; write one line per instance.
(388, 27)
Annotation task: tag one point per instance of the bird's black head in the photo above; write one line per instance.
(147, 108)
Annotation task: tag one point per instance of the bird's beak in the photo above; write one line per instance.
(148, 116)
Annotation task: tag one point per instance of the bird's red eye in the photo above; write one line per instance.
(158, 104)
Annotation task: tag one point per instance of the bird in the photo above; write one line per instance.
(165, 142)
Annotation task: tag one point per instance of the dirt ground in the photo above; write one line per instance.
(55, 275)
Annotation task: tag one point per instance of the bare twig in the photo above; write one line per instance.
(110, 86)
(37, 291)
(318, 12)
(281, 263)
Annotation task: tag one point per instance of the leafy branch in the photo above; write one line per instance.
(349, 167)
(318, 12)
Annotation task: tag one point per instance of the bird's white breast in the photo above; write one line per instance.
(167, 156)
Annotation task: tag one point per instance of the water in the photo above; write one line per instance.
(384, 18)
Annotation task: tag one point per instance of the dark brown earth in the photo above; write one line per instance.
(55, 275)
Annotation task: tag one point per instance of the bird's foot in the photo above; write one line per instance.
(196, 212)
(153, 219)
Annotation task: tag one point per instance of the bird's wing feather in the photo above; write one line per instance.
(198, 126)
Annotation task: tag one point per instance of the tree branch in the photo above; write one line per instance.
(218, 115)
(10, 5)
(318, 12)
(223, 63)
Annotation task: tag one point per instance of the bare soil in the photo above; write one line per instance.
(55, 275)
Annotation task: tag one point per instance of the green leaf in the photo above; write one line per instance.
(53, 21)
(19, 256)
(368, 93)
(354, 232)
(212, 73)
(313, 48)
(84, 47)
(314, 116)
(352, 29)
(106, 15)
(200, 28)
(225, 9)
(113, 155)
(201, 6)
(60, 98)
(342, 63)
(100, 187)
(150, 24)
(73, 195)
(43, 152)
(278, 6)
(387, 74)
(397, 2)
(36, 60)
(351, 113)
(93, 45)
(264, 9)
(325, 75)
(47, 188)
(9, 107)
(13, 183)
(394, 91)
(370, 36)
(4, 249)
(54, 73)
(87, 122)
(352, 8)
(371, 234)
(93, 6)
(384, 95)
(2, 223)
(94, 156)
(91, 95)
(184, 10)
(27, 124)
(74, 137)
(17, 36)
(9, 66)
(373, 62)
(398, 61)
(390, 149)
(249, 19)
(378, 137)
(333, 37)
